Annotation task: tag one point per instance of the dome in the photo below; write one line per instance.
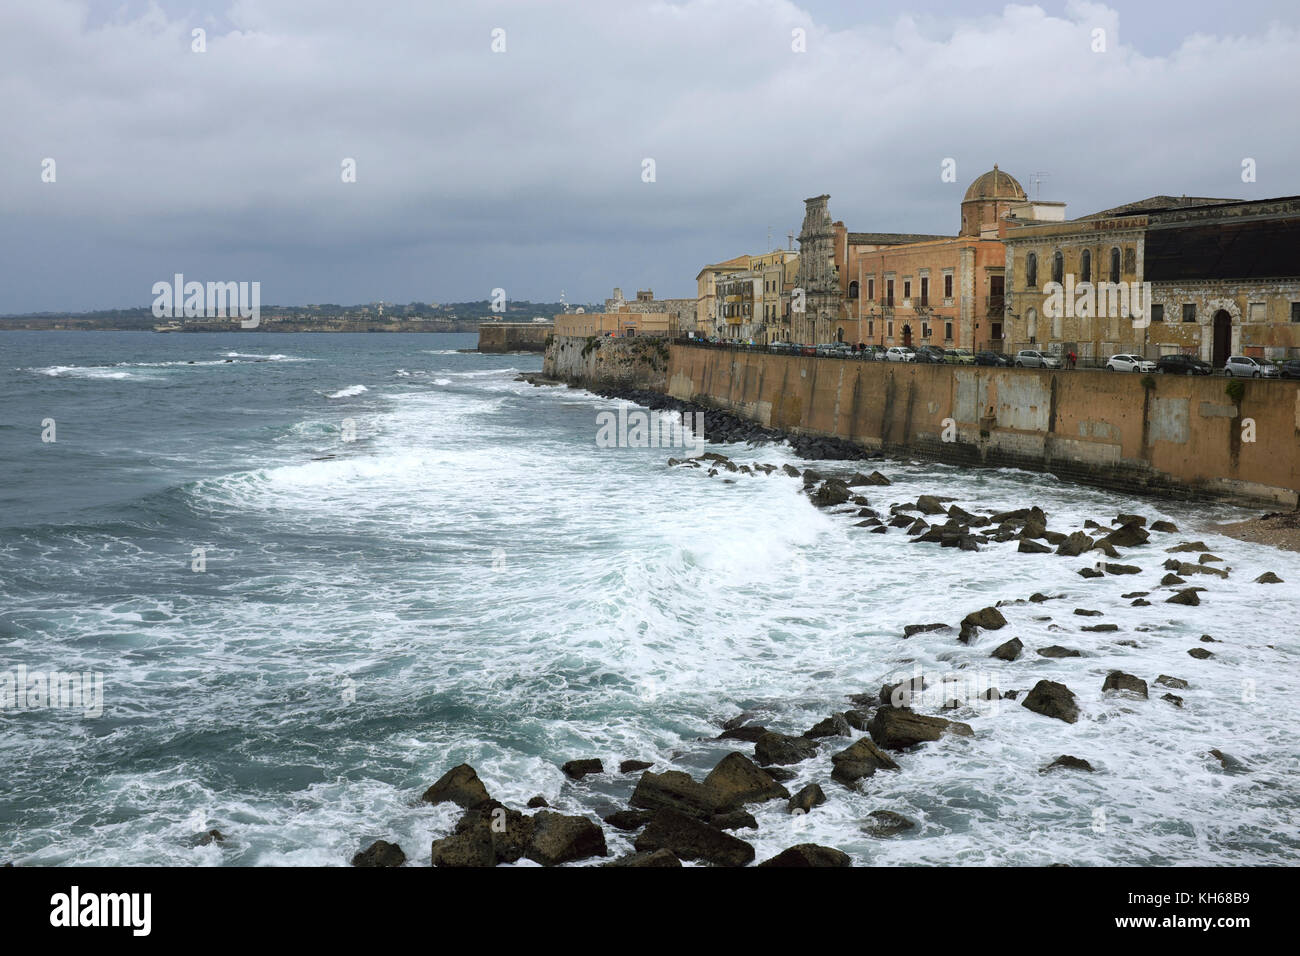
(994, 184)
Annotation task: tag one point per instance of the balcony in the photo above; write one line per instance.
(995, 304)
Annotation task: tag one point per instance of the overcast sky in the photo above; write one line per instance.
(523, 169)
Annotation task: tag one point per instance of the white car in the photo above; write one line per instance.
(1129, 363)
(900, 353)
(1246, 367)
(1032, 358)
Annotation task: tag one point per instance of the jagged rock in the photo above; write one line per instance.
(1121, 569)
(1186, 596)
(1032, 547)
(734, 820)
(1228, 762)
(832, 492)
(471, 848)
(537, 803)
(577, 769)
(1052, 700)
(857, 479)
(1128, 536)
(1201, 653)
(749, 733)
(1187, 546)
(207, 839)
(862, 759)
(988, 619)
(1066, 762)
(651, 858)
(929, 505)
(1101, 628)
(1008, 651)
(887, 823)
(634, 766)
(896, 729)
(691, 839)
(1123, 519)
(1268, 577)
(1166, 526)
(1171, 579)
(673, 790)
(629, 819)
(1177, 683)
(1038, 598)
(1173, 699)
(460, 785)
(961, 515)
(807, 798)
(790, 470)
(781, 749)
(857, 718)
(900, 521)
(1135, 594)
(1053, 537)
(911, 629)
(1057, 650)
(836, 725)
(878, 479)
(1140, 602)
(780, 774)
(1208, 558)
(1206, 639)
(1091, 573)
(1125, 684)
(900, 694)
(1075, 544)
(1106, 548)
(737, 780)
(560, 839)
(1186, 569)
(1085, 612)
(809, 855)
(380, 853)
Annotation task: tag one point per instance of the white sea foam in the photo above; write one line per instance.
(349, 392)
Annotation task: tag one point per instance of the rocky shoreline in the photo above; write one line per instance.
(678, 819)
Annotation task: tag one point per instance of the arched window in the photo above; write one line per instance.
(1085, 265)
(1031, 326)
(1031, 271)
(1058, 267)
(1114, 264)
(853, 289)
(1056, 327)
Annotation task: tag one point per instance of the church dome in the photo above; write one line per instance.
(994, 184)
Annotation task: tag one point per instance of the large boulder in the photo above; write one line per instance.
(1008, 651)
(737, 780)
(896, 729)
(836, 725)
(832, 492)
(1075, 544)
(807, 798)
(673, 790)
(577, 769)
(862, 759)
(1052, 700)
(1128, 535)
(886, 823)
(460, 785)
(691, 839)
(929, 505)
(559, 839)
(773, 748)
(652, 858)
(1067, 762)
(809, 855)
(1028, 546)
(988, 619)
(1186, 596)
(1123, 683)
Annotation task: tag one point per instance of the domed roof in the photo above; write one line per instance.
(994, 184)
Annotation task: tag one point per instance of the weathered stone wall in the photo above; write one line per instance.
(513, 336)
(599, 361)
(1183, 438)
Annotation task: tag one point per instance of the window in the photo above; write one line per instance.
(871, 290)
(1157, 313)
(889, 329)
(907, 288)
(947, 331)
(947, 286)
(1189, 311)
(925, 290)
(1114, 265)
(1130, 260)
(1058, 267)
(1295, 311)
(889, 293)
(925, 330)
(871, 329)
(1031, 270)
(1031, 325)
(853, 289)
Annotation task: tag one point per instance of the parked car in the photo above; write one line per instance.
(931, 354)
(900, 353)
(1243, 366)
(1032, 358)
(959, 356)
(783, 347)
(1180, 364)
(1129, 363)
(835, 349)
(995, 359)
(1289, 369)
(874, 353)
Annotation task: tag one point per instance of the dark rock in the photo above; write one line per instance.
(1091, 573)
(929, 505)
(1123, 519)
(1032, 547)
(911, 629)
(807, 798)
(1177, 683)
(560, 839)
(1201, 653)
(832, 492)
(1038, 597)
(749, 733)
(634, 766)
(887, 823)
(734, 820)
(1056, 650)
(212, 836)
(1228, 762)
(652, 858)
(673, 790)
(1066, 762)
(380, 853)
(1187, 596)
(1206, 639)
(1075, 545)
(1008, 651)
(1166, 526)
(1106, 548)
(1135, 594)
(790, 470)
(460, 785)
(861, 759)
(1128, 536)
(1268, 577)
(896, 729)
(1125, 684)
(690, 839)
(537, 803)
(1140, 602)
(809, 855)
(1052, 700)
(737, 780)
(1084, 612)
(836, 725)
(1171, 579)
(1173, 699)
(857, 719)
(781, 749)
(1121, 568)
(629, 819)
(1187, 546)
(1101, 628)
(988, 619)
(780, 774)
(577, 769)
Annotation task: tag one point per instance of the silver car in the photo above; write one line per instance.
(1129, 363)
(1032, 358)
(1243, 366)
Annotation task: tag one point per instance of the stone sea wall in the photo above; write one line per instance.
(601, 363)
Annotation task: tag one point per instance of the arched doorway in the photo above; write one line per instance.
(839, 335)
(1222, 338)
(907, 335)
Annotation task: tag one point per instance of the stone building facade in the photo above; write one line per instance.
(817, 297)
(645, 303)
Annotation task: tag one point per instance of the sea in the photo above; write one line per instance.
(314, 572)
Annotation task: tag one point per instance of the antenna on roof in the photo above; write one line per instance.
(790, 239)
(1038, 181)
